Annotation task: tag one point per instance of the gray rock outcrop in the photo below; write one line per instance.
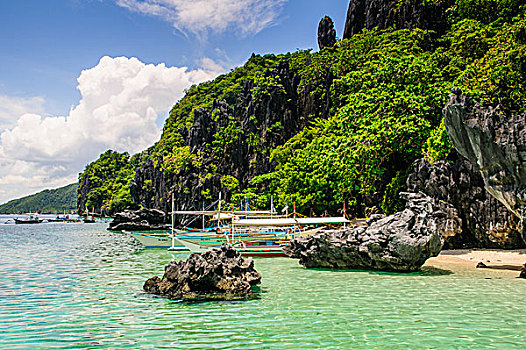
(494, 143)
(139, 220)
(486, 223)
(218, 274)
(399, 242)
(262, 122)
(383, 14)
(326, 33)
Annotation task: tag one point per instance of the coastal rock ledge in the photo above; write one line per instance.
(139, 220)
(400, 242)
(218, 274)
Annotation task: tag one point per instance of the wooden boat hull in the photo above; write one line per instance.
(28, 221)
(256, 244)
(271, 251)
(155, 240)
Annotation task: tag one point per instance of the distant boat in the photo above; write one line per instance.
(30, 219)
(89, 219)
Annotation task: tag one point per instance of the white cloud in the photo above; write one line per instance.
(13, 107)
(121, 100)
(245, 17)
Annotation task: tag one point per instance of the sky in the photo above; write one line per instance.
(78, 77)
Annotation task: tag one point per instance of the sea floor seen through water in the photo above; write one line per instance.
(68, 286)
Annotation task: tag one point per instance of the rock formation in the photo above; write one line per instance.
(399, 242)
(383, 14)
(139, 220)
(494, 143)
(263, 122)
(326, 33)
(486, 223)
(216, 274)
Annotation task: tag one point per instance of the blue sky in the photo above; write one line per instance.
(54, 84)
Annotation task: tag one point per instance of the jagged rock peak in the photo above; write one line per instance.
(220, 273)
(494, 143)
(355, 21)
(326, 33)
(400, 14)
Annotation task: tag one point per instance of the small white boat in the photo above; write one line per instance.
(155, 240)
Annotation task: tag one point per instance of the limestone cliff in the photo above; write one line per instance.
(485, 222)
(383, 14)
(495, 143)
(231, 139)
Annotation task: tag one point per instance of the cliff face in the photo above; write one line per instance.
(383, 14)
(495, 143)
(486, 223)
(231, 139)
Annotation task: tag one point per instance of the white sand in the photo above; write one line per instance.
(467, 260)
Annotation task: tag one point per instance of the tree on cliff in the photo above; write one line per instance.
(105, 183)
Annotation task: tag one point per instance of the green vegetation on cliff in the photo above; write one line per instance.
(388, 91)
(48, 201)
(107, 182)
(371, 105)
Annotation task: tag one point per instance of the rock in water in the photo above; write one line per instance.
(218, 274)
(326, 33)
(494, 143)
(138, 220)
(400, 242)
(523, 272)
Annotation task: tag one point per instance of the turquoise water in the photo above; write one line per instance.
(73, 286)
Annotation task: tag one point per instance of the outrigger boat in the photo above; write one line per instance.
(260, 233)
(31, 219)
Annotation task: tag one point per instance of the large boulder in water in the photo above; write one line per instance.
(218, 274)
(139, 220)
(400, 242)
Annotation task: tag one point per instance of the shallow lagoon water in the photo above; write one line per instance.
(79, 286)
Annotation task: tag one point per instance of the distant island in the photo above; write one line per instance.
(48, 201)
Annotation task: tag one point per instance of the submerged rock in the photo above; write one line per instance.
(481, 265)
(219, 274)
(400, 242)
(139, 220)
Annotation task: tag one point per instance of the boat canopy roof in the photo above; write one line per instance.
(225, 216)
(230, 212)
(291, 221)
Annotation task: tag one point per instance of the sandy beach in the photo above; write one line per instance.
(503, 262)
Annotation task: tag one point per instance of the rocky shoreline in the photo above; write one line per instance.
(400, 242)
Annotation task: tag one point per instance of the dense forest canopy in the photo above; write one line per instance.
(108, 179)
(383, 90)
